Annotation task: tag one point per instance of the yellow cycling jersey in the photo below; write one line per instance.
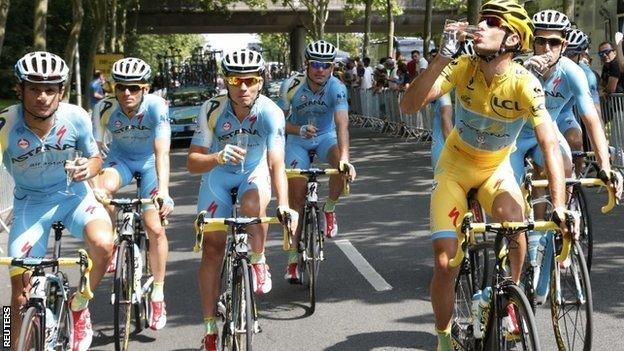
(488, 118)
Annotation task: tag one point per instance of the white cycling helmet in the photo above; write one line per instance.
(577, 41)
(131, 70)
(41, 67)
(242, 61)
(468, 48)
(551, 20)
(320, 51)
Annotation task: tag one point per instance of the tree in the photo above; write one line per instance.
(383, 8)
(39, 28)
(4, 11)
(113, 26)
(390, 19)
(275, 47)
(473, 10)
(568, 8)
(72, 40)
(149, 46)
(98, 12)
(318, 10)
(427, 29)
(368, 9)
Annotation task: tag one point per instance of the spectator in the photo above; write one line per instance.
(348, 76)
(611, 78)
(412, 66)
(366, 81)
(97, 87)
(403, 76)
(391, 73)
(381, 78)
(432, 54)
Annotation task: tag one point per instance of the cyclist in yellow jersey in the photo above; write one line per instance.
(495, 97)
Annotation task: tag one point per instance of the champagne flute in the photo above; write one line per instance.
(241, 141)
(70, 168)
(312, 122)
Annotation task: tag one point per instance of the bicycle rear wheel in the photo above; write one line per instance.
(571, 303)
(32, 334)
(578, 202)
(123, 290)
(61, 310)
(242, 308)
(503, 332)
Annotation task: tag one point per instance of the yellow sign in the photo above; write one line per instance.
(104, 62)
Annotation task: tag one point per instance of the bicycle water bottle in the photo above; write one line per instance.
(543, 282)
(476, 315)
(534, 240)
(484, 307)
(50, 327)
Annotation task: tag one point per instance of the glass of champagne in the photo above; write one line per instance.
(241, 141)
(70, 168)
(312, 122)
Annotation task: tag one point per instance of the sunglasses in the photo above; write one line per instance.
(493, 21)
(131, 88)
(319, 65)
(605, 53)
(552, 42)
(238, 81)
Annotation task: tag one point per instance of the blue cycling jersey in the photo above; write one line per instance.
(133, 138)
(437, 140)
(37, 165)
(568, 110)
(308, 107)
(217, 125)
(567, 82)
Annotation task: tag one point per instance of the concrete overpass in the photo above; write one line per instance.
(174, 16)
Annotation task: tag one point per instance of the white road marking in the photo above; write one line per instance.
(369, 273)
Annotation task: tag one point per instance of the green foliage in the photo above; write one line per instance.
(459, 5)
(275, 46)
(354, 9)
(349, 42)
(148, 46)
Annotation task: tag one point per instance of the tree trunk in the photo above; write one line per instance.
(70, 47)
(367, 27)
(121, 42)
(102, 6)
(113, 27)
(473, 11)
(568, 8)
(99, 22)
(39, 25)
(4, 11)
(427, 29)
(390, 17)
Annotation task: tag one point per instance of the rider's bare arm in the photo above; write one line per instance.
(161, 150)
(341, 119)
(547, 140)
(200, 161)
(422, 90)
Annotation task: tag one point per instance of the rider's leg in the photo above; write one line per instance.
(210, 272)
(108, 181)
(296, 197)
(575, 140)
(159, 247)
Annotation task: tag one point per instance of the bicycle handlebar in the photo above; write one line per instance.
(133, 202)
(203, 224)
(292, 172)
(611, 201)
(84, 261)
(466, 229)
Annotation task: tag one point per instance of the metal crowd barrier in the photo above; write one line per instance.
(613, 116)
(6, 200)
(381, 112)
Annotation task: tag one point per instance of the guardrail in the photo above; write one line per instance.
(381, 112)
(613, 116)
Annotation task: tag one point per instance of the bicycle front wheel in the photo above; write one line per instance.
(462, 327)
(513, 326)
(578, 202)
(571, 303)
(313, 248)
(32, 332)
(242, 312)
(123, 290)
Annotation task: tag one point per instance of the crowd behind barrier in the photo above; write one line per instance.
(613, 115)
(380, 111)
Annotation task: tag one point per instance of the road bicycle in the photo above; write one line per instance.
(46, 322)
(236, 304)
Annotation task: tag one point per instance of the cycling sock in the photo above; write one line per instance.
(330, 205)
(157, 291)
(257, 257)
(444, 340)
(293, 256)
(79, 302)
(210, 324)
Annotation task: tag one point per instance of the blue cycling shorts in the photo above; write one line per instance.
(33, 217)
(214, 191)
(297, 149)
(568, 122)
(529, 147)
(126, 168)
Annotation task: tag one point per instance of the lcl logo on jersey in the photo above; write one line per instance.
(227, 126)
(23, 143)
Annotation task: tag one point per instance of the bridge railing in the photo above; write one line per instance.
(380, 111)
